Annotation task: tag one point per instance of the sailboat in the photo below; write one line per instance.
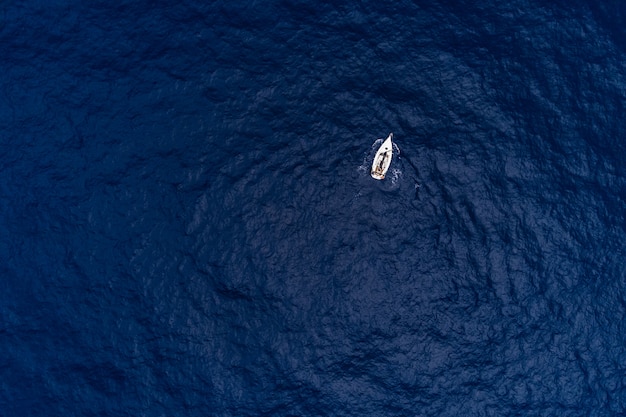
(382, 160)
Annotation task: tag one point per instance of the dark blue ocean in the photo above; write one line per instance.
(188, 225)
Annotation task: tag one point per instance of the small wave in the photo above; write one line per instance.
(396, 174)
(369, 156)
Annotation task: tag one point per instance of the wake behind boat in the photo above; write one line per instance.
(382, 160)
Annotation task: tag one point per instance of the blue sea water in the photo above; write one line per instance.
(189, 227)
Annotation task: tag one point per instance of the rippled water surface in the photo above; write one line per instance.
(189, 226)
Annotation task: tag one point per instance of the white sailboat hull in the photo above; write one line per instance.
(382, 160)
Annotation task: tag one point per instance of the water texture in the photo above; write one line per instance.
(189, 227)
